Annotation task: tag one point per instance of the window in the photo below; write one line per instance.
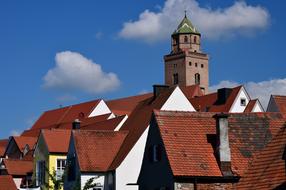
(175, 78)
(197, 78)
(196, 64)
(40, 172)
(190, 63)
(71, 169)
(195, 39)
(155, 153)
(202, 65)
(186, 39)
(61, 165)
(242, 101)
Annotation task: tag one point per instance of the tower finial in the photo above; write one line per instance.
(185, 13)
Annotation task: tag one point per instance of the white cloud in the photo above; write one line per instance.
(74, 72)
(240, 18)
(261, 90)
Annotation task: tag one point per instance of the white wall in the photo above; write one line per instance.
(129, 169)
(236, 107)
(100, 109)
(99, 179)
(257, 107)
(17, 181)
(178, 102)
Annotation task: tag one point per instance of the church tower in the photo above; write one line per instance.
(186, 64)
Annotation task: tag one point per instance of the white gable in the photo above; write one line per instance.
(257, 107)
(100, 109)
(121, 123)
(237, 107)
(177, 101)
(129, 170)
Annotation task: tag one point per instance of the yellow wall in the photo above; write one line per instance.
(53, 163)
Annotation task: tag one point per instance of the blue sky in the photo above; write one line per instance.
(128, 58)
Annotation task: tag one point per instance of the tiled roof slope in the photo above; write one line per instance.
(126, 105)
(3, 144)
(267, 170)
(192, 91)
(7, 183)
(209, 102)
(109, 124)
(138, 121)
(18, 167)
(190, 140)
(57, 140)
(23, 141)
(65, 114)
(280, 102)
(68, 125)
(92, 146)
(250, 106)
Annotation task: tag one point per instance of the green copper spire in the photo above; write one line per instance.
(186, 26)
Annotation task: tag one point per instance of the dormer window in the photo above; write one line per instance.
(242, 101)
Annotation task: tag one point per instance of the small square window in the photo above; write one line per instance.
(242, 101)
(196, 64)
(202, 65)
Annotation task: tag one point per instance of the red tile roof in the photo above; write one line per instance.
(65, 114)
(23, 141)
(92, 146)
(3, 144)
(67, 125)
(280, 102)
(192, 91)
(109, 124)
(250, 106)
(190, 138)
(137, 123)
(210, 103)
(267, 170)
(7, 183)
(126, 105)
(57, 140)
(18, 167)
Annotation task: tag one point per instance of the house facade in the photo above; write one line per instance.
(191, 150)
(49, 156)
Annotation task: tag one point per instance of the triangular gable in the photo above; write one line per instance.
(177, 101)
(100, 109)
(236, 106)
(257, 107)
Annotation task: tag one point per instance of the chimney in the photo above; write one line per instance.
(158, 89)
(76, 124)
(223, 94)
(223, 149)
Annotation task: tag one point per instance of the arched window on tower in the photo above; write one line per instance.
(195, 39)
(186, 39)
(175, 78)
(197, 78)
